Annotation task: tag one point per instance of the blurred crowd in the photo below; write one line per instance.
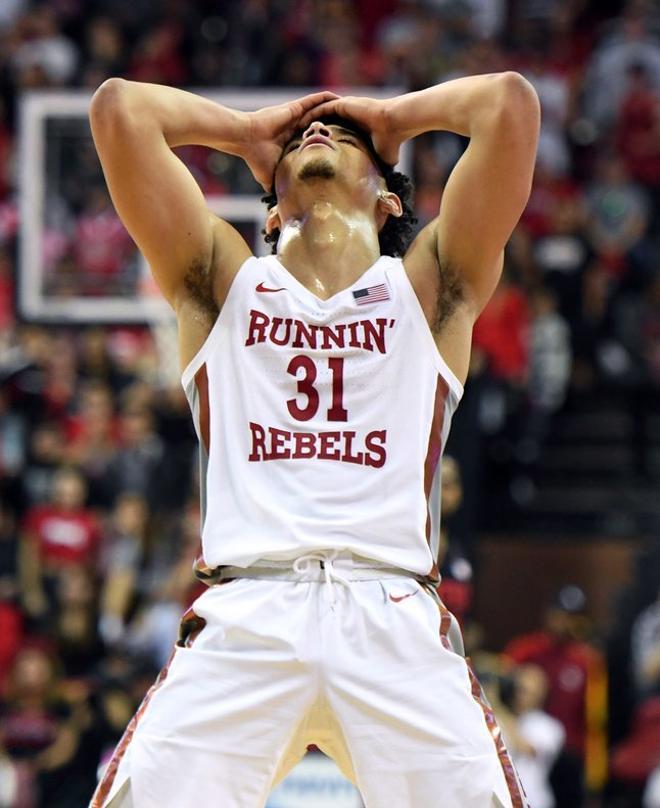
(99, 518)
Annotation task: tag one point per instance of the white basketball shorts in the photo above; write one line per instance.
(360, 666)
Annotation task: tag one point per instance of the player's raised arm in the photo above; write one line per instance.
(488, 188)
(135, 126)
(456, 261)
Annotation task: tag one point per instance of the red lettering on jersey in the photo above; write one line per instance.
(258, 442)
(375, 443)
(335, 335)
(377, 335)
(286, 337)
(308, 331)
(278, 440)
(366, 334)
(354, 341)
(327, 449)
(348, 456)
(257, 327)
(271, 443)
(304, 445)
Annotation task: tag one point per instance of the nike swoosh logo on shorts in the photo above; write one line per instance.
(262, 288)
(399, 598)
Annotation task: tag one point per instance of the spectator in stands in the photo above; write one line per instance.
(638, 129)
(636, 759)
(158, 57)
(93, 439)
(30, 711)
(43, 47)
(73, 624)
(597, 358)
(646, 651)
(104, 51)
(96, 362)
(554, 89)
(630, 41)
(502, 333)
(61, 378)
(577, 692)
(533, 737)
(45, 455)
(139, 461)
(562, 254)
(57, 535)
(617, 216)
(549, 375)
(23, 372)
(124, 557)
(456, 586)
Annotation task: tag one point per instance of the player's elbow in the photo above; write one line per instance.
(518, 99)
(110, 100)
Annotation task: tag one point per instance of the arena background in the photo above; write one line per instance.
(553, 537)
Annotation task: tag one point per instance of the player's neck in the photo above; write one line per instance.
(328, 248)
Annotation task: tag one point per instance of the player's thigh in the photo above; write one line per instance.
(224, 711)
(410, 709)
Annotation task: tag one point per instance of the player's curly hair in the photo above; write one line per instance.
(396, 234)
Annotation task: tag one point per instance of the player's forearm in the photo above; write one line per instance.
(182, 118)
(468, 106)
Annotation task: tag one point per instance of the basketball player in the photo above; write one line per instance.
(322, 380)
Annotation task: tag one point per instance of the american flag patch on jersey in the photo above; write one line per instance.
(371, 294)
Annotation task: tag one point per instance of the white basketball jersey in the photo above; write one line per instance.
(321, 422)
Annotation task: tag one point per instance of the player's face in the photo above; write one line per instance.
(325, 152)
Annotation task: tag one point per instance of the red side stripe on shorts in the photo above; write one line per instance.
(518, 798)
(105, 785)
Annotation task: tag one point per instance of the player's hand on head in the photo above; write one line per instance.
(370, 114)
(271, 128)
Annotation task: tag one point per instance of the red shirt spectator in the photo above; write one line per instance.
(502, 331)
(64, 536)
(577, 683)
(64, 532)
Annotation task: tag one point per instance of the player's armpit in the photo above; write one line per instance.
(445, 300)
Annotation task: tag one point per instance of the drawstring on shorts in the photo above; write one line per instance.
(303, 566)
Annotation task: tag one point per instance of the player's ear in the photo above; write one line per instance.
(388, 204)
(273, 220)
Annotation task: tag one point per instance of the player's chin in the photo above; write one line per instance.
(317, 167)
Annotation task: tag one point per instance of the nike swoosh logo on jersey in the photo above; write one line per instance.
(262, 288)
(399, 598)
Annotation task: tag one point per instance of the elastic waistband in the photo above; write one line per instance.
(329, 567)
(315, 566)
